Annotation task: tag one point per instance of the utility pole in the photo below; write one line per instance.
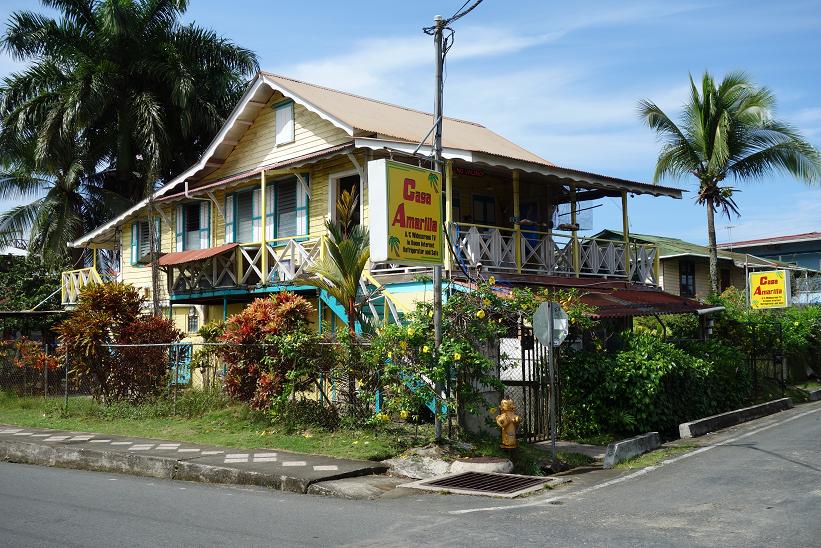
(439, 25)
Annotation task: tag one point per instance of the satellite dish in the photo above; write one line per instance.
(542, 320)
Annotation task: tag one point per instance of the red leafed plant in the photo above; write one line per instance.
(30, 355)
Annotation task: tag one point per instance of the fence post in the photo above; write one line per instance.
(45, 373)
(68, 364)
(176, 377)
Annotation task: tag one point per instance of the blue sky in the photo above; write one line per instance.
(561, 80)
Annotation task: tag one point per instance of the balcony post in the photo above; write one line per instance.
(264, 246)
(625, 222)
(448, 184)
(575, 233)
(517, 227)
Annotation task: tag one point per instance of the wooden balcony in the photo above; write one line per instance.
(510, 250)
(72, 283)
(245, 265)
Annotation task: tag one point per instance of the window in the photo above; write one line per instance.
(242, 217)
(193, 226)
(726, 281)
(140, 241)
(687, 278)
(193, 320)
(484, 210)
(351, 185)
(284, 123)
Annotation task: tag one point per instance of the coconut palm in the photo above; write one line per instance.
(143, 88)
(726, 131)
(65, 197)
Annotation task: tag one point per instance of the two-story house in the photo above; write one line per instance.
(248, 218)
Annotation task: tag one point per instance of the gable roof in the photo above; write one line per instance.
(374, 116)
(675, 247)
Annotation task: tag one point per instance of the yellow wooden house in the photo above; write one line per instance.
(248, 218)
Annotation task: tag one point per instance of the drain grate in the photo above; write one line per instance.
(483, 483)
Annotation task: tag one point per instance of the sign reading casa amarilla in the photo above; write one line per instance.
(405, 206)
(770, 289)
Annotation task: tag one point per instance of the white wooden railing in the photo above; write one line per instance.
(506, 250)
(72, 283)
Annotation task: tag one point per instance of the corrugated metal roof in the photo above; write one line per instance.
(371, 115)
(807, 236)
(182, 257)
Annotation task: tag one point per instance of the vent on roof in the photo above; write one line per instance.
(483, 483)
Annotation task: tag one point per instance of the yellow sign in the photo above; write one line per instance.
(405, 207)
(770, 289)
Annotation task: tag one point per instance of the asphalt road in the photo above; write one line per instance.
(758, 485)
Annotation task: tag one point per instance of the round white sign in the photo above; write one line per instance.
(541, 319)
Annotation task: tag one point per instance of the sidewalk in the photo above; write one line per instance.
(168, 459)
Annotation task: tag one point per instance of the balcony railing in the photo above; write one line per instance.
(286, 260)
(507, 250)
(73, 281)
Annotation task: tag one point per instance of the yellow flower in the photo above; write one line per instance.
(457, 356)
(480, 314)
(403, 344)
(492, 410)
(486, 302)
(355, 442)
(403, 414)
(390, 355)
(492, 280)
(430, 314)
(410, 332)
(425, 349)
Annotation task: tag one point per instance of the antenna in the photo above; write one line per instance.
(730, 235)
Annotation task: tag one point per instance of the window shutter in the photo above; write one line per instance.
(229, 218)
(180, 234)
(285, 124)
(270, 211)
(135, 243)
(302, 228)
(205, 225)
(256, 216)
(286, 208)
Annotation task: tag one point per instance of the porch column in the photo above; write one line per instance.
(448, 184)
(94, 257)
(517, 227)
(264, 245)
(575, 233)
(625, 230)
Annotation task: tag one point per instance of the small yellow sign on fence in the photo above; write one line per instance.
(770, 289)
(405, 207)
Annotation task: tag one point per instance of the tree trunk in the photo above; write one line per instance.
(155, 266)
(353, 354)
(711, 242)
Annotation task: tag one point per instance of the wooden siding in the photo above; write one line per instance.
(670, 276)
(257, 146)
(140, 275)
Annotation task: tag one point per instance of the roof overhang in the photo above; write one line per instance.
(569, 176)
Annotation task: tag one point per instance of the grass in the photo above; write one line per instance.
(654, 457)
(209, 420)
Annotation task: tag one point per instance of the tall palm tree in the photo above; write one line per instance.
(67, 195)
(141, 86)
(339, 272)
(727, 131)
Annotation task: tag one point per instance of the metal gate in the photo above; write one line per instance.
(180, 355)
(524, 372)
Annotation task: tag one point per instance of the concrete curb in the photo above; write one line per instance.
(815, 395)
(731, 418)
(156, 467)
(620, 451)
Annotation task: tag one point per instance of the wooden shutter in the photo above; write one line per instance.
(229, 218)
(180, 232)
(256, 216)
(135, 243)
(205, 225)
(285, 124)
(270, 211)
(302, 199)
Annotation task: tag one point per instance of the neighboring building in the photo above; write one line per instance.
(685, 267)
(803, 250)
(248, 218)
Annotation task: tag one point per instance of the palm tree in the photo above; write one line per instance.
(339, 272)
(727, 131)
(67, 197)
(145, 89)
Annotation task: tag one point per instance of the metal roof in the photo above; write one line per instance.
(182, 257)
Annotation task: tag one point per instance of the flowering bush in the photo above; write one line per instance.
(272, 350)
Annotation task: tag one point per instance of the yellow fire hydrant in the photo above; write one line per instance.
(508, 420)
